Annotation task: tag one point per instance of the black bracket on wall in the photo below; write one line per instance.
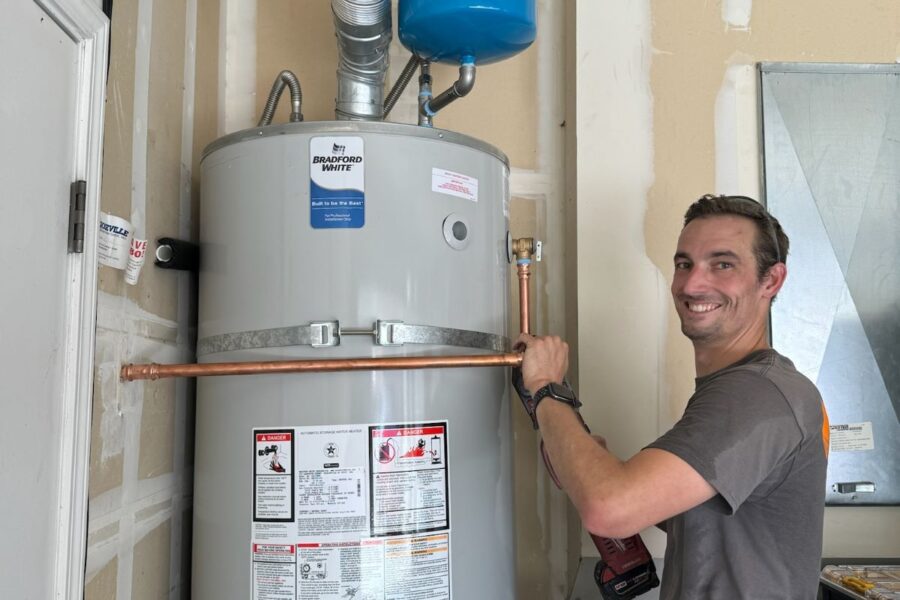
(177, 254)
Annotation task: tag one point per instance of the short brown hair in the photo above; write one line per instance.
(771, 246)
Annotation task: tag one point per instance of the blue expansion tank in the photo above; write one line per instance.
(448, 30)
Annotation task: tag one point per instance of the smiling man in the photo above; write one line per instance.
(739, 482)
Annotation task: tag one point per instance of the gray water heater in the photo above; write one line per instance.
(345, 239)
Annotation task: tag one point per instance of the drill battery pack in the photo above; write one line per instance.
(625, 568)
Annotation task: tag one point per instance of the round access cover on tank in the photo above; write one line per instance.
(448, 30)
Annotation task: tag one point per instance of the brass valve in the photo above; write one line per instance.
(525, 248)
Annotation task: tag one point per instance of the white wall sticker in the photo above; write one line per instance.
(852, 437)
(113, 241)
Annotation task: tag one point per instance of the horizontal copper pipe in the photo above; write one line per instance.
(156, 371)
(523, 248)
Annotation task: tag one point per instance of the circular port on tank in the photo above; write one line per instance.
(456, 231)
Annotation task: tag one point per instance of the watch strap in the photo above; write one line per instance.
(548, 391)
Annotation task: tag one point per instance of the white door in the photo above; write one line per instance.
(50, 69)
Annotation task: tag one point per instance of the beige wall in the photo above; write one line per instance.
(161, 109)
(612, 127)
(666, 112)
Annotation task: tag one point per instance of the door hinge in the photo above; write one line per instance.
(77, 193)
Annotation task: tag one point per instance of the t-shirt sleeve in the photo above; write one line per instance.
(735, 432)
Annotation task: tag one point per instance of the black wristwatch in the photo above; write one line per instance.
(560, 392)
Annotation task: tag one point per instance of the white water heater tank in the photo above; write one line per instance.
(334, 240)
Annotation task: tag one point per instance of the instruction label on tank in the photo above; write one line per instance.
(341, 569)
(409, 479)
(852, 437)
(273, 476)
(454, 184)
(331, 483)
(417, 567)
(274, 571)
(337, 182)
(370, 513)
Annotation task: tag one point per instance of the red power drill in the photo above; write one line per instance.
(625, 568)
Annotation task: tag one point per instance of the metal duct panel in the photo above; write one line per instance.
(832, 178)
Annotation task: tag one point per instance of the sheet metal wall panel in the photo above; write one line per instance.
(831, 145)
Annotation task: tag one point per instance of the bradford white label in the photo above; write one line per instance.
(337, 183)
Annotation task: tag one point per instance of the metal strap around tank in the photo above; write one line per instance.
(316, 334)
(328, 333)
(397, 333)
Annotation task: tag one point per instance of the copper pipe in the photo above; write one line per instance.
(155, 371)
(523, 249)
(523, 270)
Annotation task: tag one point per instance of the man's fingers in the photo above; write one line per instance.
(522, 342)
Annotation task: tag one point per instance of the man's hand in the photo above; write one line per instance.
(546, 360)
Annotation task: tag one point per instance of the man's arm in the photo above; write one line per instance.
(614, 498)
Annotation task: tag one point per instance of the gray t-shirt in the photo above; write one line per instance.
(753, 430)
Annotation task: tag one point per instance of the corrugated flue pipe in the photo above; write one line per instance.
(363, 30)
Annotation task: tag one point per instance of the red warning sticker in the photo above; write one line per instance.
(273, 476)
(409, 431)
(273, 437)
(410, 488)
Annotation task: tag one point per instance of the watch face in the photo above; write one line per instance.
(562, 392)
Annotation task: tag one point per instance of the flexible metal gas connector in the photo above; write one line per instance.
(402, 81)
(285, 78)
(460, 88)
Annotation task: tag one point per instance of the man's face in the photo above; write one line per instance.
(717, 292)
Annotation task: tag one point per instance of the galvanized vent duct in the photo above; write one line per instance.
(363, 30)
